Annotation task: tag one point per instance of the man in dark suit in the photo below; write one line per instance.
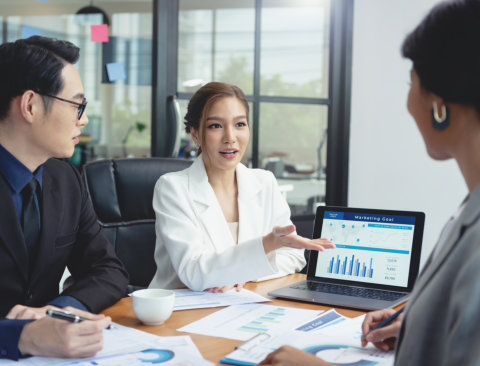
(47, 222)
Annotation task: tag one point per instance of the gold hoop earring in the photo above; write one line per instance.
(440, 123)
(437, 116)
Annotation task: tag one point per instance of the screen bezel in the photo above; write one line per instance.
(414, 259)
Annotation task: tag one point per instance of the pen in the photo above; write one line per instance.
(386, 321)
(66, 315)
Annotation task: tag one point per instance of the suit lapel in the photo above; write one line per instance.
(50, 219)
(251, 213)
(470, 215)
(206, 206)
(10, 231)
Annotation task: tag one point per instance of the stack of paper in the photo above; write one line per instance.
(188, 299)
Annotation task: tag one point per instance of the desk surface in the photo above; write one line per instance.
(212, 348)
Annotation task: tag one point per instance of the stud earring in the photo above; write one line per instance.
(440, 122)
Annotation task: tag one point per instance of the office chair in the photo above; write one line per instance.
(174, 125)
(121, 191)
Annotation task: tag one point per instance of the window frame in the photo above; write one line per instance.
(164, 84)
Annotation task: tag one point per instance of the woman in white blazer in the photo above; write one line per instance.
(218, 223)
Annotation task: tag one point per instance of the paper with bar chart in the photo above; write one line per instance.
(338, 344)
(242, 322)
(369, 248)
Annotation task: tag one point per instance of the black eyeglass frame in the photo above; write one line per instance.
(81, 106)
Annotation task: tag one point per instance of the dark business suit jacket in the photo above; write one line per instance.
(70, 237)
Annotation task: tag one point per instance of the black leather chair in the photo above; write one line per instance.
(122, 191)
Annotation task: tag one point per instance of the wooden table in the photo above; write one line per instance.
(212, 348)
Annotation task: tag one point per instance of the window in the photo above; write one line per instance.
(278, 52)
(215, 41)
(119, 111)
(291, 57)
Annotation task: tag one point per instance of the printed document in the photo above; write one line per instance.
(188, 299)
(129, 346)
(245, 321)
(338, 344)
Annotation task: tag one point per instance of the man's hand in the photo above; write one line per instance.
(28, 312)
(50, 337)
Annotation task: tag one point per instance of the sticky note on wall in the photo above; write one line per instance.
(30, 31)
(116, 71)
(99, 33)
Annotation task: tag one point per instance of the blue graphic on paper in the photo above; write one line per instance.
(315, 349)
(163, 355)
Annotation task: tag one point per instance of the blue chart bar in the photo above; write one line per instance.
(264, 322)
(350, 267)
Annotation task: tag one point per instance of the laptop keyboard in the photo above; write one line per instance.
(349, 290)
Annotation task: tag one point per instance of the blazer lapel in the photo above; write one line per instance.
(251, 213)
(11, 232)
(470, 215)
(206, 206)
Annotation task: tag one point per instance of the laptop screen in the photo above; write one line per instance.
(377, 247)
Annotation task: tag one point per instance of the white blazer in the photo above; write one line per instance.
(195, 247)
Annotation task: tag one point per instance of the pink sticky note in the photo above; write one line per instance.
(99, 33)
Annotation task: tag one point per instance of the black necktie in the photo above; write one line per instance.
(30, 218)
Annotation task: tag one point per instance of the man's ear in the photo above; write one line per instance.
(30, 105)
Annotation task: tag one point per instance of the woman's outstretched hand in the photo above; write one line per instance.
(283, 236)
(238, 287)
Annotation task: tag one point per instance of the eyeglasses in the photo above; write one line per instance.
(81, 106)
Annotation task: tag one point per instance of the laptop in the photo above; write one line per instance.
(375, 262)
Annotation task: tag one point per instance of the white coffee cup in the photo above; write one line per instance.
(153, 306)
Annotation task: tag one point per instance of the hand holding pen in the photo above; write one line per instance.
(81, 335)
(381, 328)
(64, 314)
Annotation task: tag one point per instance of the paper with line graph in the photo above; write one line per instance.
(242, 322)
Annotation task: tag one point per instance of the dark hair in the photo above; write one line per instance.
(445, 50)
(205, 97)
(35, 63)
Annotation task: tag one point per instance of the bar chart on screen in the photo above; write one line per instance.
(368, 248)
(350, 267)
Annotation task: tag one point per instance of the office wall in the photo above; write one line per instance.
(389, 166)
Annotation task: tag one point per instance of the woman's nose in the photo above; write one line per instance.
(229, 135)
